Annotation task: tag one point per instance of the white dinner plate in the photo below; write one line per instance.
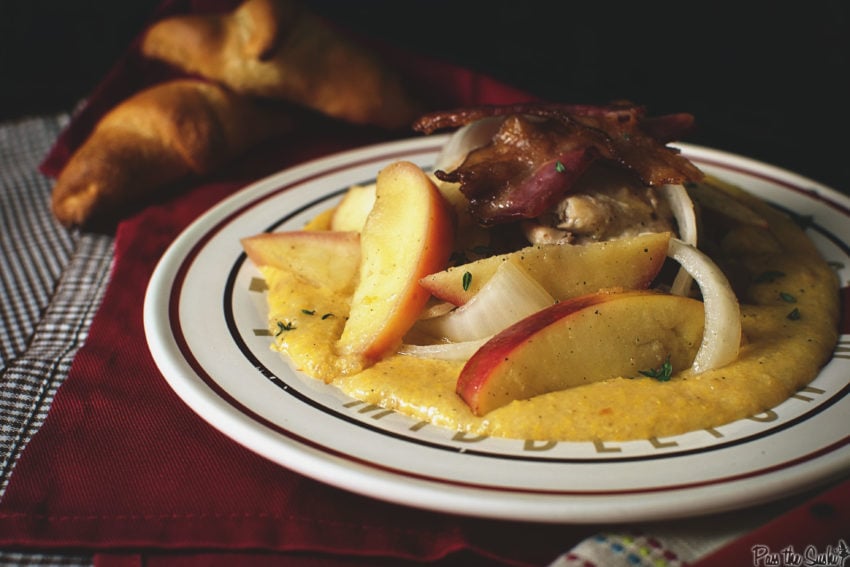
(205, 320)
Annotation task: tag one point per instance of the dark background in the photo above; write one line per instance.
(764, 79)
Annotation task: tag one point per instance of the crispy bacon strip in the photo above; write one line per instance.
(541, 150)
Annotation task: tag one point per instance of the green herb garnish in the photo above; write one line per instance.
(281, 327)
(787, 297)
(794, 315)
(467, 280)
(663, 373)
(559, 167)
(308, 311)
(327, 316)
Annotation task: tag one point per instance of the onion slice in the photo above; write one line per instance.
(721, 339)
(444, 351)
(465, 139)
(682, 207)
(509, 295)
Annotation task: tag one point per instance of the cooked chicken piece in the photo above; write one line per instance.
(607, 205)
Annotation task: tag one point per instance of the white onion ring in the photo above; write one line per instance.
(721, 339)
(465, 139)
(509, 295)
(444, 351)
(683, 210)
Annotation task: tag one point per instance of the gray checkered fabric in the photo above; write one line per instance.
(51, 283)
(43, 560)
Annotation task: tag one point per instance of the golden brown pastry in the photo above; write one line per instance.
(279, 49)
(154, 138)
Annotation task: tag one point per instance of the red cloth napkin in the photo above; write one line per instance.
(124, 469)
(814, 531)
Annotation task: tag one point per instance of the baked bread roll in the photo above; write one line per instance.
(279, 49)
(154, 138)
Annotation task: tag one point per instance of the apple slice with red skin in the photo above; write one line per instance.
(582, 340)
(408, 234)
(564, 270)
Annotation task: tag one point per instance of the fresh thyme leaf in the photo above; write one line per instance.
(794, 315)
(281, 327)
(787, 297)
(308, 311)
(663, 373)
(559, 167)
(467, 280)
(327, 316)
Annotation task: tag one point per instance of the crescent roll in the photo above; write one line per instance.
(279, 49)
(155, 138)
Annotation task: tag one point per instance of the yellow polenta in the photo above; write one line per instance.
(789, 303)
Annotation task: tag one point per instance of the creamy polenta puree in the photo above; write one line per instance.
(789, 303)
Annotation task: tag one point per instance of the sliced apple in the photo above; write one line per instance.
(351, 212)
(322, 221)
(323, 258)
(583, 340)
(407, 235)
(563, 270)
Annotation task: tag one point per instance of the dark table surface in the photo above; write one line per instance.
(766, 81)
